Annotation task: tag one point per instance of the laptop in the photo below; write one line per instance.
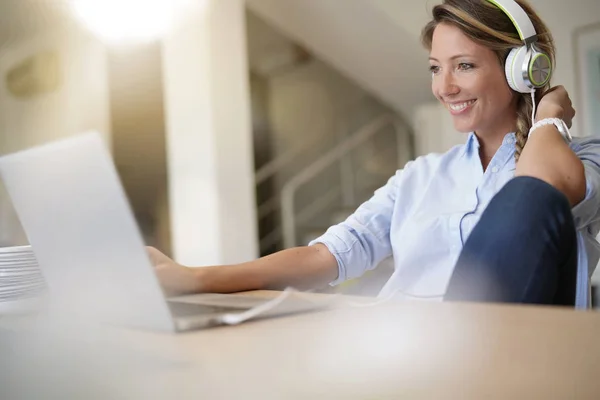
(72, 206)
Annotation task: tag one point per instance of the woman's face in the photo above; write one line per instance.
(470, 82)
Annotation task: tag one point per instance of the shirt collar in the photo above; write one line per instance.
(471, 145)
(510, 139)
(503, 154)
(506, 152)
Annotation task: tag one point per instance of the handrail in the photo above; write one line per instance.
(273, 166)
(329, 158)
(319, 205)
(269, 169)
(268, 207)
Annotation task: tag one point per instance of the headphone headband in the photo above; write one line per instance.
(519, 18)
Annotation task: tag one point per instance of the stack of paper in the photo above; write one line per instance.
(20, 276)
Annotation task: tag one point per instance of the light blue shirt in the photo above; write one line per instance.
(426, 211)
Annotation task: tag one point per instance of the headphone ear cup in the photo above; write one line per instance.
(513, 70)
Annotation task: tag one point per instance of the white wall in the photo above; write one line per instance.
(434, 130)
(80, 104)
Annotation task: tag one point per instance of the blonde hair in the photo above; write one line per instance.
(487, 25)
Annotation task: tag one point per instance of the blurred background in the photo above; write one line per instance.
(238, 127)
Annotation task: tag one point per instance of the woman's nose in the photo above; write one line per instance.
(447, 84)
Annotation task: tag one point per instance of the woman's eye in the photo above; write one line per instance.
(434, 69)
(465, 66)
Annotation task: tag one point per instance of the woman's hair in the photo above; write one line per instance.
(487, 25)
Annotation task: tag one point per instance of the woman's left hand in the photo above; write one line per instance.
(556, 103)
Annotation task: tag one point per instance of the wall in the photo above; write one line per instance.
(80, 104)
(434, 130)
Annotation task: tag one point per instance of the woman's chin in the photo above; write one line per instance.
(462, 124)
(463, 128)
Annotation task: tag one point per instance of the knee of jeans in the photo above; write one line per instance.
(540, 194)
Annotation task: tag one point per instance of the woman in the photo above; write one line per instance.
(496, 219)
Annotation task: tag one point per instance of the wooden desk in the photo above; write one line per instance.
(391, 351)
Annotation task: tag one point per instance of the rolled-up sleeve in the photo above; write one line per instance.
(362, 241)
(587, 212)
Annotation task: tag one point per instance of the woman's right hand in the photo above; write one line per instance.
(175, 278)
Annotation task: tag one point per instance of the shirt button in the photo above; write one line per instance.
(495, 169)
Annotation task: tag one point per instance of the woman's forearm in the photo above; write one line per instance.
(301, 267)
(548, 157)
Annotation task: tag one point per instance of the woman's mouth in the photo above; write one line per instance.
(457, 108)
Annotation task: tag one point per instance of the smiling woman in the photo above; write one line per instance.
(468, 79)
(472, 53)
(510, 216)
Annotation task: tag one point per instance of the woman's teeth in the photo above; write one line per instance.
(460, 106)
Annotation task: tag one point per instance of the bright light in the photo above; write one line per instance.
(118, 21)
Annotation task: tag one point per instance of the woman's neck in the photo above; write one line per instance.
(491, 137)
(488, 146)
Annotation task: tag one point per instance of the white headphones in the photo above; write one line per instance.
(527, 68)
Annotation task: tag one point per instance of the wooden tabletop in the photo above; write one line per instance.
(395, 350)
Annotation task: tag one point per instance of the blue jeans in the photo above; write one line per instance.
(523, 250)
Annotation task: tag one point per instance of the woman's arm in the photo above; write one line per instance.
(303, 268)
(359, 243)
(547, 156)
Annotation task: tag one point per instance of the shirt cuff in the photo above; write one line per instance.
(334, 244)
